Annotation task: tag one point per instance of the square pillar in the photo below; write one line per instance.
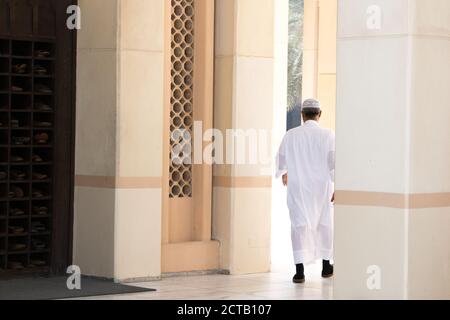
(244, 99)
(392, 173)
(117, 231)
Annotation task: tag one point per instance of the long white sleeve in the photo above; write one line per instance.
(281, 163)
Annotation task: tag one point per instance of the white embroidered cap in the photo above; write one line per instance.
(311, 104)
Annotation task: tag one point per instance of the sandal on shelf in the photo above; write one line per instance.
(42, 107)
(16, 192)
(19, 141)
(16, 212)
(42, 53)
(42, 124)
(40, 70)
(17, 159)
(37, 227)
(16, 229)
(39, 176)
(36, 158)
(38, 244)
(18, 247)
(40, 88)
(15, 123)
(37, 263)
(18, 175)
(41, 138)
(37, 193)
(19, 68)
(40, 210)
(16, 89)
(3, 175)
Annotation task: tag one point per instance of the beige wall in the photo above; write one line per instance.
(392, 169)
(119, 139)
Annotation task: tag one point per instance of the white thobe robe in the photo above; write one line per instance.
(307, 156)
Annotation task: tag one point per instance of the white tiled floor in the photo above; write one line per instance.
(271, 286)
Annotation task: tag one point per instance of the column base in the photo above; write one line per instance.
(190, 256)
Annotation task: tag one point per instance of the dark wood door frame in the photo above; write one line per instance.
(65, 157)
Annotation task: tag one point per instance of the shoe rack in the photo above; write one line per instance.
(27, 104)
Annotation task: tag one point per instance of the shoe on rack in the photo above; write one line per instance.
(40, 70)
(42, 53)
(16, 192)
(39, 176)
(19, 141)
(40, 211)
(15, 123)
(42, 107)
(41, 138)
(19, 68)
(18, 175)
(17, 247)
(42, 124)
(40, 88)
(17, 159)
(37, 244)
(16, 89)
(37, 263)
(38, 193)
(16, 229)
(15, 265)
(36, 158)
(16, 212)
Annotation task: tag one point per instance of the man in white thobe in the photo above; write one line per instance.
(306, 162)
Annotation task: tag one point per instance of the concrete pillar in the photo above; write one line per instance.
(244, 99)
(95, 150)
(117, 230)
(392, 177)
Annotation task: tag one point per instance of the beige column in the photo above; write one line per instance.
(429, 217)
(95, 151)
(119, 139)
(392, 177)
(244, 99)
(139, 139)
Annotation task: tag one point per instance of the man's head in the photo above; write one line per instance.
(311, 110)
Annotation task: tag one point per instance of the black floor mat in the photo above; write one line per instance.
(56, 288)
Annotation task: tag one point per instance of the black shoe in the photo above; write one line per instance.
(299, 273)
(299, 278)
(327, 270)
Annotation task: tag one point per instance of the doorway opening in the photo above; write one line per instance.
(310, 57)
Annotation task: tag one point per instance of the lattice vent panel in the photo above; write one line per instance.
(181, 115)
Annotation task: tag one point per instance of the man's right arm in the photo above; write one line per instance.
(281, 162)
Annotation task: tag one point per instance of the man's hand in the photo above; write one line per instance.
(285, 180)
